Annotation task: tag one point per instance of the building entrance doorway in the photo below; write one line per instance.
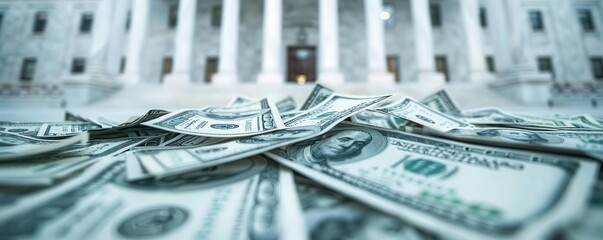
(301, 64)
(166, 68)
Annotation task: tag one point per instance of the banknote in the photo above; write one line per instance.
(134, 122)
(590, 226)
(330, 215)
(29, 129)
(65, 129)
(492, 116)
(169, 142)
(442, 102)
(306, 125)
(137, 120)
(286, 116)
(185, 140)
(596, 155)
(582, 120)
(240, 100)
(222, 122)
(137, 131)
(439, 101)
(379, 119)
(16, 147)
(52, 166)
(457, 190)
(102, 121)
(240, 200)
(73, 117)
(156, 141)
(412, 110)
(318, 94)
(563, 142)
(286, 105)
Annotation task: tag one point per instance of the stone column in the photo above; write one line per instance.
(424, 44)
(272, 43)
(229, 37)
(183, 44)
(376, 57)
(101, 34)
(520, 80)
(573, 57)
(138, 35)
(500, 34)
(328, 50)
(473, 35)
(116, 37)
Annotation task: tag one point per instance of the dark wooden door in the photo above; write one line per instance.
(301, 64)
(166, 67)
(392, 67)
(211, 68)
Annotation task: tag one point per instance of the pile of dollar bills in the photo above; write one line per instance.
(338, 167)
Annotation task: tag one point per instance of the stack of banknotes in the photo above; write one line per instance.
(338, 167)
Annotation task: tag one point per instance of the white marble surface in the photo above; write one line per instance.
(136, 100)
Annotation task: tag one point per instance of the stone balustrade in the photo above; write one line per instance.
(577, 93)
(27, 90)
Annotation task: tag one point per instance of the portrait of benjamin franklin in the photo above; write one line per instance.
(338, 146)
(520, 136)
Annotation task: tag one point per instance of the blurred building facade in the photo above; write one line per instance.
(89, 48)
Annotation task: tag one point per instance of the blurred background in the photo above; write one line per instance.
(107, 56)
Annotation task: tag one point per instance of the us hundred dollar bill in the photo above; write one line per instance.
(308, 124)
(65, 129)
(29, 129)
(330, 215)
(248, 199)
(457, 190)
(318, 94)
(493, 116)
(46, 169)
(412, 110)
(440, 101)
(102, 121)
(555, 141)
(590, 226)
(16, 147)
(240, 100)
(230, 122)
(286, 105)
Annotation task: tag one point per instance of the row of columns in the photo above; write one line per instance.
(272, 72)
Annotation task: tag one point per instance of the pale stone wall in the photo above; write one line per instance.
(54, 49)
(352, 41)
(563, 39)
(207, 39)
